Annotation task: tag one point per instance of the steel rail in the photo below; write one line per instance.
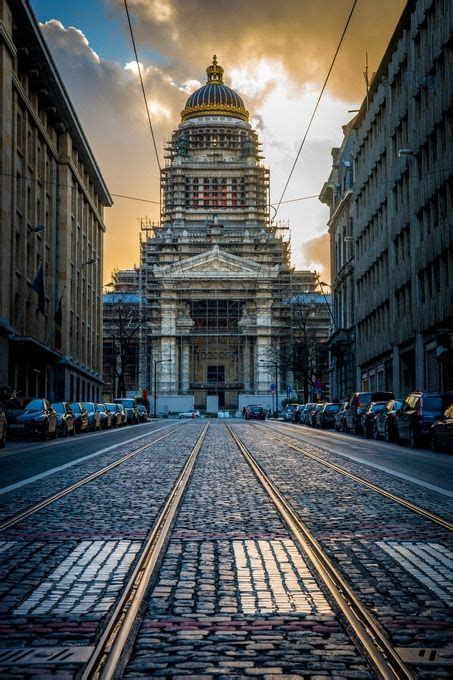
(427, 514)
(385, 658)
(107, 654)
(14, 519)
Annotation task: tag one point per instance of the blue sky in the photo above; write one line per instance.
(106, 31)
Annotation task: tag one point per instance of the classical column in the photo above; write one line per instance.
(246, 363)
(167, 368)
(263, 354)
(185, 383)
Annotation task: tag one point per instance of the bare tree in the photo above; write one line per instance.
(122, 322)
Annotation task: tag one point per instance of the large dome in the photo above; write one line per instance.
(215, 98)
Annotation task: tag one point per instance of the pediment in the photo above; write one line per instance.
(215, 263)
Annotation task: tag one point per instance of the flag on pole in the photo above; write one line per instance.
(58, 319)
(38, 287)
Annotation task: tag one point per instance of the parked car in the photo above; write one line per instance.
(442, 432)
(80, 416)
(190, 414)
(305, 416)
(340, 417)
(130, 406)
(142, 413)
(32, 417)
(94, 417)
(288, 411)
(385, 422)
(297, 413)
(253, 412)
(106, 417)
(115, 414)
(418, 412)
(2, 428)
(357, 407)
(314, 414)
(123, 414)
(325, 417)
(369, 417)
(65, 418)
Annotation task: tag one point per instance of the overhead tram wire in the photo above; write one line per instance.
(141, 83)
(316, 105)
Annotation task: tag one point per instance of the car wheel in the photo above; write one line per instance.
(55, 433)
(73, 433)
(45, 436)
(413, 439)
(3, 440)
(433, 443)
(375, 433)
(65, 431)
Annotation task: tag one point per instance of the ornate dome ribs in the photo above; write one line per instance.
(215, 98)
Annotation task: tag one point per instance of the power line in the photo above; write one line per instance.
(293, 200)
(316, 106)
(141, 83)
(135, 198)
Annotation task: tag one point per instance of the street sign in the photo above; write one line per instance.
(272, 387)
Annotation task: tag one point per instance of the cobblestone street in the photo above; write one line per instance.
(235, 593)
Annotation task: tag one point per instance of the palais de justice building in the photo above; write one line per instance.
(215, 276)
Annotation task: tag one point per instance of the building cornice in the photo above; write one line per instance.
(344, 200)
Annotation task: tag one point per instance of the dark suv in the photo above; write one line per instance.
(357, 406)
(255, 413)
(418, 413)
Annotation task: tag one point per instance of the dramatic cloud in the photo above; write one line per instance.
(276, 56)
(317, 255)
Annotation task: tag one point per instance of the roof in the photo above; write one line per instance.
(214, 98)
(311, 298)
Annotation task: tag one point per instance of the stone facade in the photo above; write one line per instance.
(337, 194)
(52, 198)
(215, 274)
(401, 207)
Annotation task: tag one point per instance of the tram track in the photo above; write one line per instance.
(107, 654)
(384, 656)
(36, 507)
(413, 507)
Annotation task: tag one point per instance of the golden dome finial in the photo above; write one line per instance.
(215, 72)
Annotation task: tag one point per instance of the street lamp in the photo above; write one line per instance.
(157, 361)
(275, 365)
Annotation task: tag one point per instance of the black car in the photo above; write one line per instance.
(357, 407)
(314, 414)
(80, 415)
(325, 417)
(418, 412)
(385, 423)
(340, 417)
(255, 412)
(297, 414)
(442, 432)
(368, 418)
(115, 414)
(142, 413)
(31, 417)
(65, 418)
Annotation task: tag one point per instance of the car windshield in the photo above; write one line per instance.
(377, 407)
(364, 399)
(110, 407)
(100, 407)
(88, 405)
(58, 407)
(128, 403)
(256, 409)
(75, 407)
(332, 408)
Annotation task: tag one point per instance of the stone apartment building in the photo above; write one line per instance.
(337, 194)
(401, 208)
(52, 198)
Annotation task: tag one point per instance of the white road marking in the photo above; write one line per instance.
(47, 473)
(87, 580)
(273, 577)
(423, 562)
